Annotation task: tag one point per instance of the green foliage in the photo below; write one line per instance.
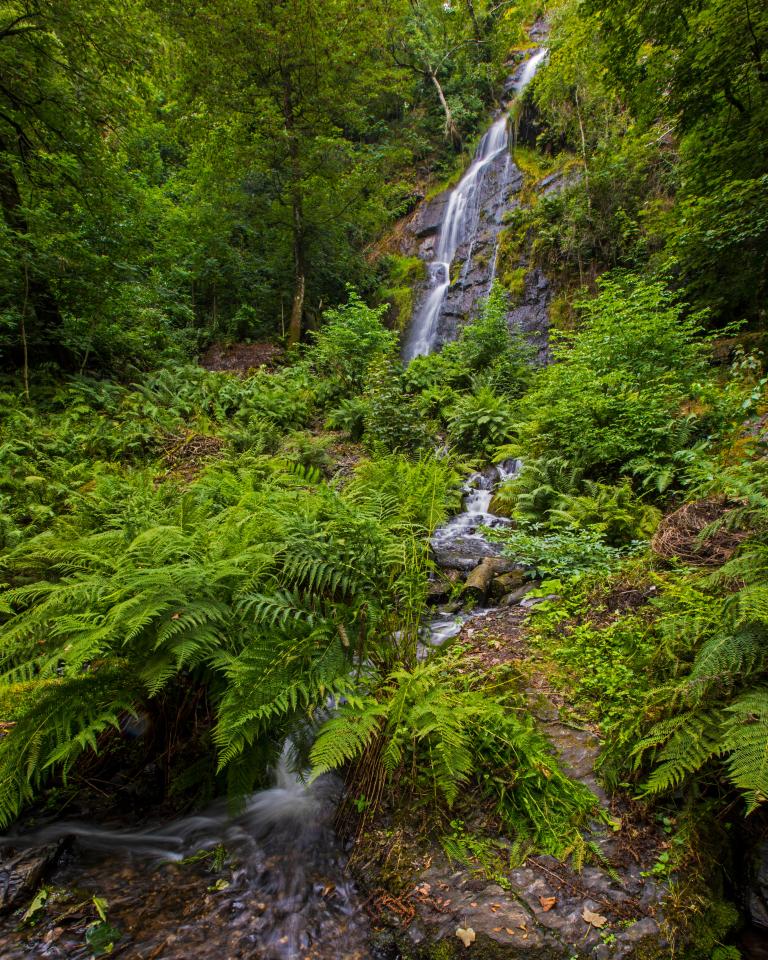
(667, 123)
(352, 337)
(715, 708)
(486, 353)
(568, 552)
(349, 416)
(401, 274)
(480, 422)
(392, 422)
(437, 720)
(615, 400)
(259, 584)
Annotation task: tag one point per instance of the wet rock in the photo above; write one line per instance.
(429, 216)
(535, 601)
(21, 873)
(516, 596)
(647, 927)
(531, 314)
(441, 585)
(506, 583)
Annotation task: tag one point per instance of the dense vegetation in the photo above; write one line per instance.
(223, 555)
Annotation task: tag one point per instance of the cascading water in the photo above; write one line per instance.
(288, 898)
(460, 544)
(461, 220)
(461, 212)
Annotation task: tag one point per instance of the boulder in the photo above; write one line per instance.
(22, 872)
(517, 596)
(505, 583)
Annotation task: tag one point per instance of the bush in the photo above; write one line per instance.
(616, 396)
(566, 553)
(392, 422)
(480, 422)
(350, 339)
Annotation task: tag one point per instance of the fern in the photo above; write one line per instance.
(260, 585)
(745, 739)
(432, 719)
(681, 745)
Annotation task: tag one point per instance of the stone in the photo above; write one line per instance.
(535, 601)
(757, 894)
(515, 596)
(505, 583)
(429, 216)
(22, 872)
(647, 927)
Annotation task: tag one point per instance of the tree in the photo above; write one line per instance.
(296, 84)
(68, 71)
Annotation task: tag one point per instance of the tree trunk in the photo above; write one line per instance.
(296, 322)
(299, 279)
(451, 130)
(38, 293)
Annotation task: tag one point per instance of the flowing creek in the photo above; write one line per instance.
(461, 545)
(286, 894)
(283, 891)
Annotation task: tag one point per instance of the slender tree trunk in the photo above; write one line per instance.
(38, 294)
(583, 149)
(296, 322)
(451, 129)
(299, 276)
(23, 332)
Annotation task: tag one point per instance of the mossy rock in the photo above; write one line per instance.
(401, 276)
(513, 282)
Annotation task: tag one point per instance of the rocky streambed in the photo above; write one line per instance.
(275, 882)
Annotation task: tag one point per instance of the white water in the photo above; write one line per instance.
(462, 540)
(286, 858)
(461, 220)
(529, 70)
(461, 536)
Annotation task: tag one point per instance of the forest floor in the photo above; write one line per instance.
(543, 907)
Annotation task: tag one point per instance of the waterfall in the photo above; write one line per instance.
(461, 220)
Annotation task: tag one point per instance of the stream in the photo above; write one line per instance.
(271, 882)
(285, 893)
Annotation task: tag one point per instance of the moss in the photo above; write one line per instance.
(534, 165)
(461, 163)
(513, 282)
(562, 315)
(510, 247)
(397, 288)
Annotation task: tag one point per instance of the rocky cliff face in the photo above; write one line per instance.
(473, 269)
(486, 201)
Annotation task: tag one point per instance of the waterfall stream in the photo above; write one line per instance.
(288, 896)
(461, 220)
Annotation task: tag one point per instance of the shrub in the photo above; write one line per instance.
(350, 339)
(480, 422)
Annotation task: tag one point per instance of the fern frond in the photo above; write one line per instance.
(745, 739)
